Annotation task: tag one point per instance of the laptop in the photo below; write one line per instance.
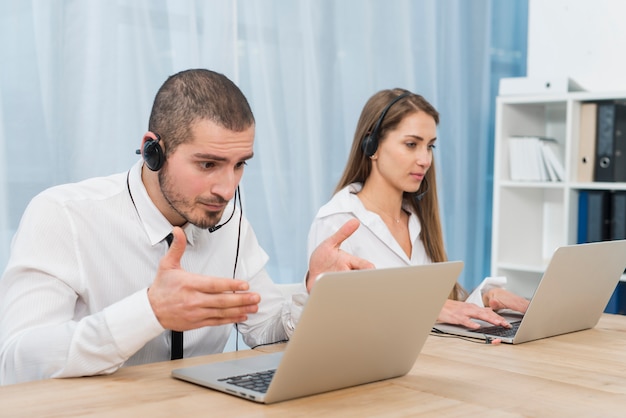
(571, 296)
(357, 327)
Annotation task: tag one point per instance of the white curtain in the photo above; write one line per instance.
(77, 80)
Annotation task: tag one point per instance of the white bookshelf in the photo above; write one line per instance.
(530, 218)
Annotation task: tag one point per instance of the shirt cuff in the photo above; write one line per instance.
(293, 310)
(132, 323)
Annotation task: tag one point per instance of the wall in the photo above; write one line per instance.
(581, 39)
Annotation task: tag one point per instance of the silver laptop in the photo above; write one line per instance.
(357, 327)
(571, 296)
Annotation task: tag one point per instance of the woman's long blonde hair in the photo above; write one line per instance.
(359, 167)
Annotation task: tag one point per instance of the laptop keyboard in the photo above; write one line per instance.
(258, 381)
(500, 331)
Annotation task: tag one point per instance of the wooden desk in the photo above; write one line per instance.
(579, 374)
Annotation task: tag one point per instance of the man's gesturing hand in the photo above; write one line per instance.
(182, 301)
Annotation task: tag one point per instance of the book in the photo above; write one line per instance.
(552, 160)
(516, 161)
(535, 158)
(539, 167)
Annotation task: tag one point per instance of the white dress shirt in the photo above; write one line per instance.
(73, 298)
(373, 241)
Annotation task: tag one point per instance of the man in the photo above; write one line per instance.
(84, 292)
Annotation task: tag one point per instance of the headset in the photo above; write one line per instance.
(370, 142)
(154, 157)
(153, 153)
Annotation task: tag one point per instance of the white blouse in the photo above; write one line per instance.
(373, 241)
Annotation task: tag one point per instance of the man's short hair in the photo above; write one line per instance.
(193, 95)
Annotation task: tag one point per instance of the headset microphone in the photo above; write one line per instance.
(420, 196)
(216, 227)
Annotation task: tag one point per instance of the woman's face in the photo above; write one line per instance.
(405, 154)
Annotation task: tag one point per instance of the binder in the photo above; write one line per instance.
(603, 169)
(583, 198)
(618, 215)
(615, 304)
(587, 141)
(598, 215)
(610, 161)
(619, 143)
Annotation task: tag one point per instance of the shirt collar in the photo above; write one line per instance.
(157, 227)
(347, 201)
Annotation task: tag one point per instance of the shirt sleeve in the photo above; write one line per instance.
(46, 329)
(274, 317)
(488, 283)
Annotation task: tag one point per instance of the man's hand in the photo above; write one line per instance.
(462, 313)
(182, 301)
(498, 298)
(328, 257)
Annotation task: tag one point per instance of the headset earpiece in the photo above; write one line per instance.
(153, 154)
(369, 145)
(370, 141)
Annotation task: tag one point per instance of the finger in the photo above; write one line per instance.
(357, 263)
(490, 316)
(222, 309)
(246, 302)
(471, 311)
(212, 309)
(213, 285)
(171, 260)
(495, 304)
(212, 322)
(468, 323)
(228, 311)
(343, 233)
(519, 305)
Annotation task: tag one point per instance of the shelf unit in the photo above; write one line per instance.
(532, 219)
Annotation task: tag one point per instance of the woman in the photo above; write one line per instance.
(389, 185)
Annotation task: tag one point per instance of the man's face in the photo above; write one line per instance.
(200, 177)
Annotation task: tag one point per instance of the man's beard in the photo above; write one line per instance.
(184, 207)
